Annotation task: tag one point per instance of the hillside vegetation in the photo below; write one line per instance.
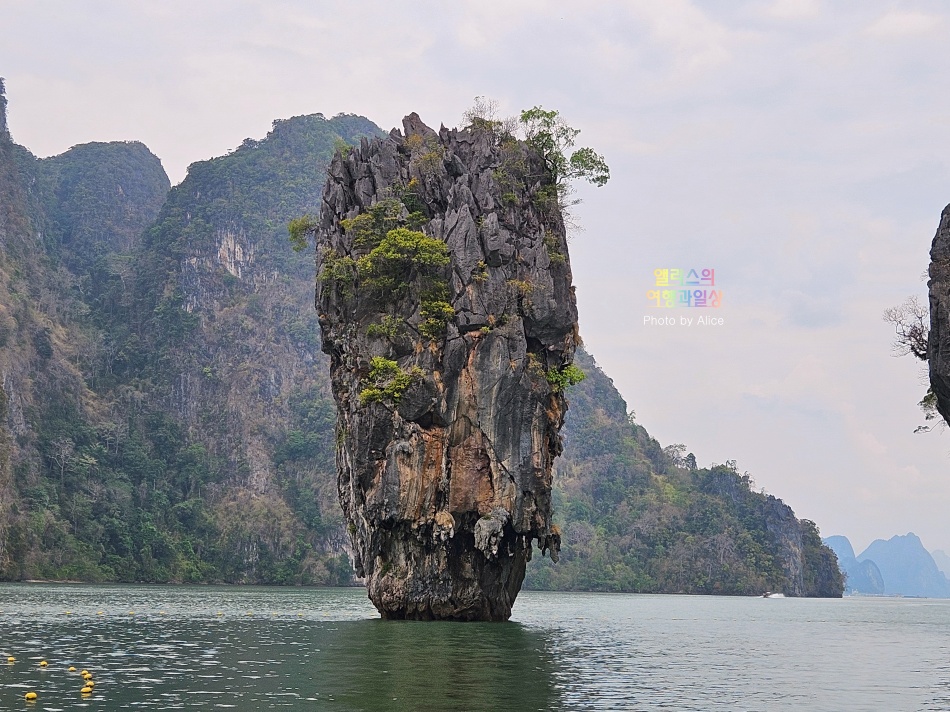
(639, 517)
(166, 413)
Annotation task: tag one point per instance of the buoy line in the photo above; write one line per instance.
(87, 688)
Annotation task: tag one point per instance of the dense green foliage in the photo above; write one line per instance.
(550, 136)
(299, 229)
(169, 415)
(369, 229)
(179, 429)
(561, 378)
(386, 381)
(436, 314)
(398, 265)
(546, 132)
(638, 517)
(402, 258)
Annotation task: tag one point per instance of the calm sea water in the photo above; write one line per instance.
(178, 647)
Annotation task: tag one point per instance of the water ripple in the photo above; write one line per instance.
(169, 648)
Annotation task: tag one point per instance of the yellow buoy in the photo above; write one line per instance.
(71, 669)
(11, 659)
(99, 613)
(43, 663)
(30, 695)
(86, 675)
(84, 672)
(90, 682)
(86, 690)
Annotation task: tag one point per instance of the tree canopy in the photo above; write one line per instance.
(550, 136)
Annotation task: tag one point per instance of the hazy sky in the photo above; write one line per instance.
(797, 147)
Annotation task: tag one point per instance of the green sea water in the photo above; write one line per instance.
(182, 647)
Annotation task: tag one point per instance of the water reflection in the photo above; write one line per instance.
(169, 648)
(404, 665)
(166, 648)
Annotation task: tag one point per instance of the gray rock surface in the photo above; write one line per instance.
(938, 346)
(446, 486)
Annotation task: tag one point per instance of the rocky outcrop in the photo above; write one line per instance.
(938, 344)
(861, 577)
(445, 303)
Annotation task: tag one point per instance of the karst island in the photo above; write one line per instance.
(445, 303)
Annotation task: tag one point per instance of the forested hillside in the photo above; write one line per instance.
(165, 416)
(166, 412)
(221, 343)
(639, 517)
(51, 348)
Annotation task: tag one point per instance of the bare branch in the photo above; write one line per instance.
(484, 109)
(911, 321)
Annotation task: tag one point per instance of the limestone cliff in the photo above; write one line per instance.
(938, 347)
(162, 417)
(445, 303)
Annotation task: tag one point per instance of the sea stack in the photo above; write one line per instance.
(445, 303)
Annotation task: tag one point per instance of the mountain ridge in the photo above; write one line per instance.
(169, 417)
(899, 566)
(907, 567)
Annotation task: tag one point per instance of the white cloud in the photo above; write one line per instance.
(901, 24)
(698, 44)
(794, 9)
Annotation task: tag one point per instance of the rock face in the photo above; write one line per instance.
(861, 577)
(938, 345)
(449, 353)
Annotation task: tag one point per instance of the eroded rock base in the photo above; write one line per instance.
(453, 582)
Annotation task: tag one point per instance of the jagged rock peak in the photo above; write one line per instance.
(413, 126)
(445, 302)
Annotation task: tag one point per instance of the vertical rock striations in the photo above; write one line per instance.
(938, 346)
(445, 303)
